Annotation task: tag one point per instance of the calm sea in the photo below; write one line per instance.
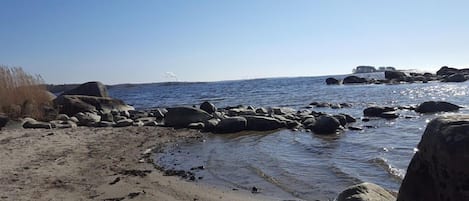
(302, 165)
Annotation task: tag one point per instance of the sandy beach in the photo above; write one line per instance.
(96, 164)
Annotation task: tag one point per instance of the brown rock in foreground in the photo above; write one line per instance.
(439, 171)
(365, 192)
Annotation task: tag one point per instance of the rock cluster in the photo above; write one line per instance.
(445, 74)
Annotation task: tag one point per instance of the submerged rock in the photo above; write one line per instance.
(332, 81)
(365, 192)
(326, 124)
(436, 106)
(354, 80)
(439, 170)
(377, 111)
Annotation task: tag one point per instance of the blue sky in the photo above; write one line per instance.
(155, 41)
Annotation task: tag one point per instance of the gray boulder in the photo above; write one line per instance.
(63, 117)
(183, 116)
(208, 107)
(89, 89)
(332, 81)
(124, 123)
(326, 124)
(439, 170)
(436, 106)
(231, 125)
(32, 123)
(73, 104)
(458, 77)
(262, 123)
(87, 118)
(365, 192)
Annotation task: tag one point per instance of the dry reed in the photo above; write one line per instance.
(22, 94)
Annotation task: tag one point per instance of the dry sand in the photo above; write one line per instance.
(81, 164)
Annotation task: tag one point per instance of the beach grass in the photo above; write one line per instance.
(22, 94)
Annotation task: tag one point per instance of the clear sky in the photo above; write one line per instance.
(74, 41)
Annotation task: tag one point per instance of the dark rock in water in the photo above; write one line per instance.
(31, 123)
(335, 106)
(332, 81)
(349, 118)
(439, 170)
(354, 80)
(3, 121)
(323, 104)
(365, 192)
(353, 128)
(89, 89)
(436, 106)
(326, 124)
(183, 116)
(345, 105)
(458, 77)
(396, 75)
(342, 119)
(73, 104)
(262, 123)
(445, 71)
(231, 125)
(376, 111)
(208, 107)
(309, 122)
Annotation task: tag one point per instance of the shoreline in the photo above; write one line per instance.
(97, 164)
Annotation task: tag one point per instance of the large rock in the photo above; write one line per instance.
(377, 111)
(326, 124)
(183, 116)
(458, 77)
(262, 123)
(445, 71)
(332, 81)
(365, 192)
(32, 123)
(436, 106)
(231, 125)
(73, 104)
(208, 107)
(89, 89)
(395, 75)
(439, 170)
(354, 80)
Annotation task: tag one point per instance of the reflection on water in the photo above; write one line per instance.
(298, 164)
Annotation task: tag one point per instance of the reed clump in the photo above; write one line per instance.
(22, 94)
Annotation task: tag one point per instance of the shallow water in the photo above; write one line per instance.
(298, 164)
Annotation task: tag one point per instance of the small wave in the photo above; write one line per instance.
(393, 171)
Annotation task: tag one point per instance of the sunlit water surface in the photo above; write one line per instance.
(291, 164)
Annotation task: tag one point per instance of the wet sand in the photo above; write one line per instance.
(97, 164)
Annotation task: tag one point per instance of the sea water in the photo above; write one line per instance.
(298, 164)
